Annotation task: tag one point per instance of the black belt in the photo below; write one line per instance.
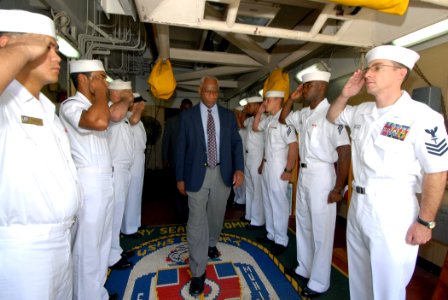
(206, 164)
(360, 190)
(302, 165)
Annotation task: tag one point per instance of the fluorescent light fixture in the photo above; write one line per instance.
(109, 79)
(242, 102)
(66, 48)
(260, 92)
(423, 34)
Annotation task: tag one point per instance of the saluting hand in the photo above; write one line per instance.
(98, 86)
(297, 94)
(354, 84)
(32, 45)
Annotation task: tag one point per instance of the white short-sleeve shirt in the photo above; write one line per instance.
(255, 139)
(397, 143)
(277, 137)
(89, 147)
(121, 142)
(318, 138)
(38, 182)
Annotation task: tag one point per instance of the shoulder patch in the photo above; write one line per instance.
(434, 147)
(340, 128)
(288, 132)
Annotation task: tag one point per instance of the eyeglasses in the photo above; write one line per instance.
(214, 92)
(376, 68)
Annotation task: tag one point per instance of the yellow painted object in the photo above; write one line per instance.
(397, 7)
(161, 80)
(277, 81)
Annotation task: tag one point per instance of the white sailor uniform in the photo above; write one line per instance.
(277, 137)
(315, 217)
(91, 247)
(391, 147)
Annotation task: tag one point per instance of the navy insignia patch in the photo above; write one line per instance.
(340, 127)
(395, 131)
(435, 148)
(289, 131)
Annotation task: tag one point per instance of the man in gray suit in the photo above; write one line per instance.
(209, 160)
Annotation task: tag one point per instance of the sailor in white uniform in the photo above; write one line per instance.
(280, 153)
(320, 185)
(253, 160)
(39, 194)
(86, 118)
(133, 208)
(398, 149)
(240, 192)
(121, 144)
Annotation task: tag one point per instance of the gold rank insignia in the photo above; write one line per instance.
(32, 121)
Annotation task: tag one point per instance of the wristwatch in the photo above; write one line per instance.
(430, 224)
(287, 171)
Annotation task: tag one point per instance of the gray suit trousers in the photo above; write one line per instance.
(207, 208)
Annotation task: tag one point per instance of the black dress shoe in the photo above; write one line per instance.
(292, 273)
(265, 240)
(243, 219)
(254, 227)
(213, 252)
(197, 285)
(277, 249)
(127, 254)
(135, 236)
(309, 293)
(122, 264)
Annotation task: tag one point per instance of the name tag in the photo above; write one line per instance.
(32, 121)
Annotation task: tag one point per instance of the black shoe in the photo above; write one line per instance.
(265, 240)
(122, 264)
(243, 219)
(277, 249)
(239, 206)
(309, 293)
(127, 254)
(135, 236)
(292, 273)
(254, 227)
(197, 285)
(113, 296)
(213, 252)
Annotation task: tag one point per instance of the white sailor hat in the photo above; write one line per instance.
(86, 65)
(254, 99)
(316, 76)
(119, 84)
(239, 108)
(21, 21)
(275, 94)
(398, 54)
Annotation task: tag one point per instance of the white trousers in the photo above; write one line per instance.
(275, 202)
(315, 223)
(254, 195)
(35, 262)
(133, 209)
(380, 262)
(93, 237)
(122, 179)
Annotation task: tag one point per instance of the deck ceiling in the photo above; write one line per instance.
(242, 41)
